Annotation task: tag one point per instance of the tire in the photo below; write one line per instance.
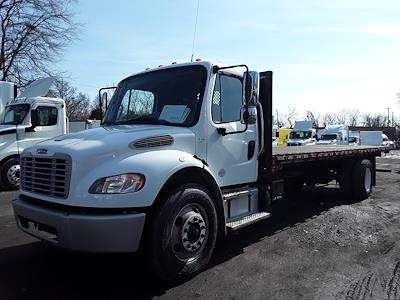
(362, 179)
(183, 234)
(9, 174)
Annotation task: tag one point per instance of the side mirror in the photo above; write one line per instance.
(248, 115)
(252, 83)
(104, 99)
(34, 118)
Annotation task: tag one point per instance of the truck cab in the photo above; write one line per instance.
(302, 134)
(18, 130)
(334, 135)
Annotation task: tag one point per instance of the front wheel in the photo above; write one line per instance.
(9, 174)
(184, 233)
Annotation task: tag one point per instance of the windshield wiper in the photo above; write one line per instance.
(145, 120)
(106, 123)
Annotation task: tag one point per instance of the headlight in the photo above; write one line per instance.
(118, 184)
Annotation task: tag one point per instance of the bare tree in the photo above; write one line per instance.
(291, 116)
(398, 97)
(78, 104)
(32, 35)
(341, 116)
(354, 117)
(328, 119)
(374, 120)
(315, 118)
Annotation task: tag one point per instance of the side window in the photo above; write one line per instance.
(47, 115)
(227, 99)
(136, 103)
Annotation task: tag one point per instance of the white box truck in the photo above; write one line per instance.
(17, 131)
(182, 158)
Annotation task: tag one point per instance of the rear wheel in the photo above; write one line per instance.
(10, 173)
(355, 179)
(184, 233)
(362, 179)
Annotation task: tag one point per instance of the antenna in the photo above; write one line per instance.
(195, 29)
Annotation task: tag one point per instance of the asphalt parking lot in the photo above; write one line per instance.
(313, 247)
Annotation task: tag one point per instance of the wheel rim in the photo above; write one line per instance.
(189, 232)
(367, 180)
(13, 174)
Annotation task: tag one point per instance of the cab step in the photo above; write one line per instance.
(247, 220)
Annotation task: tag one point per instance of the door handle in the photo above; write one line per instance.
(251, 149)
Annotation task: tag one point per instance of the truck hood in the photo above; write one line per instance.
(110, 141)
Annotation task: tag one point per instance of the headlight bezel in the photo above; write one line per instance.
(125, 183)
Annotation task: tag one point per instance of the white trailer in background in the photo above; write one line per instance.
(371, 138)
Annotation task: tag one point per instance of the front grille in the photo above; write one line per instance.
(46, 175)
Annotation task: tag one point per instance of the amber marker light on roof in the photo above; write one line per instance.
(199, 59)
(174, 62)
(160, 66)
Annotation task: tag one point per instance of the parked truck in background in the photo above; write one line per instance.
(302, 134)
(16, 130)
(8, 92)
(183, 157)
(333, 135)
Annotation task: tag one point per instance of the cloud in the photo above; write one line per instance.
(332, 87)
(392, 30)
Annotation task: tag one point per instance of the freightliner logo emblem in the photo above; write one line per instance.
(41, 151)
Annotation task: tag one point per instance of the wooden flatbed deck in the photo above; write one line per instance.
(321, 152)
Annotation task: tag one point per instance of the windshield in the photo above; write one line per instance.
(14, 114)
(168, 97)
(329, 137)
(300, 135)
(352, 139)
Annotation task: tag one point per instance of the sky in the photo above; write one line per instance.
(326, 55)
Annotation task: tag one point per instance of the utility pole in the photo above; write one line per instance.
(277, 118)
(388, 116)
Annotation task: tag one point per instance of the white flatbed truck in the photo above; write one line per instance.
(183, 156)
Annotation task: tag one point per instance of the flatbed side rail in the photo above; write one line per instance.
(291, 155)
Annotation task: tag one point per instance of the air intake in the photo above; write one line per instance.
(151, 142)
